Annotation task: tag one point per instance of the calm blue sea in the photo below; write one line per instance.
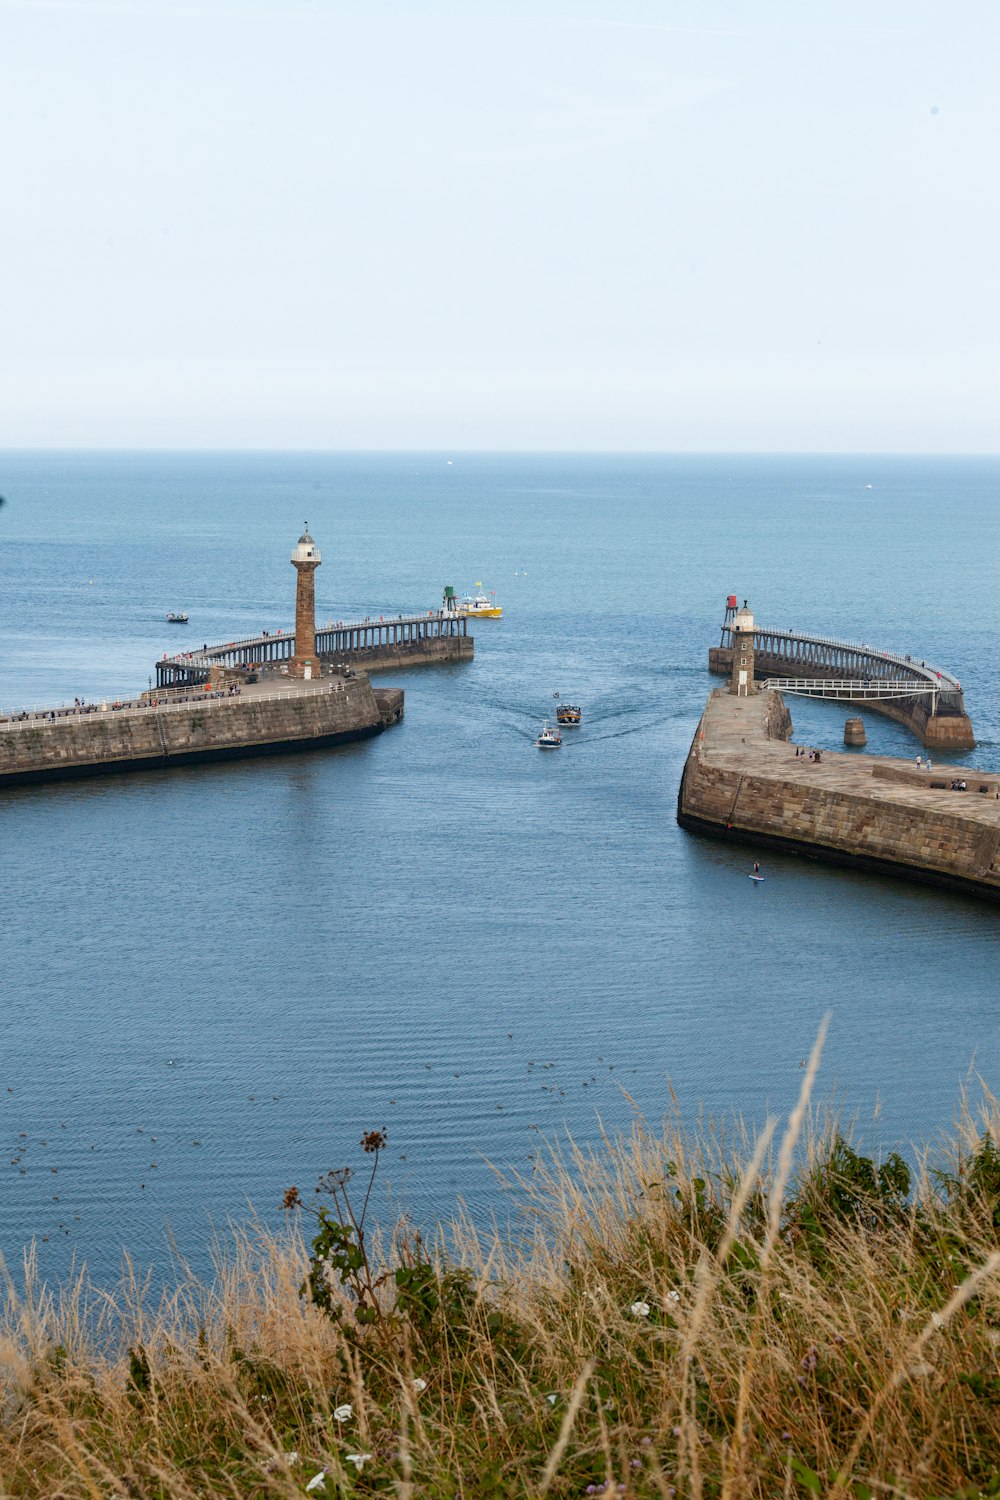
(214, 980)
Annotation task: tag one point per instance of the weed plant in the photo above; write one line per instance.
(685, 1315)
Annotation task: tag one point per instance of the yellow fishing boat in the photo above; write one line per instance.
(481, 604)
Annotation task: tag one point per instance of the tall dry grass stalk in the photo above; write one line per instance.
(691, 1314)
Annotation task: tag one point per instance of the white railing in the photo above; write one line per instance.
(924, 668)
(829, 687)
(130, 709)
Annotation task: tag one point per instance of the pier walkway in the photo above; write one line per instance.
(370, 643)
(924, 698)
(144, 705)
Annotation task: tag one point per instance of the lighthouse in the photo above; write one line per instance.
(741, 635)
(305, 560)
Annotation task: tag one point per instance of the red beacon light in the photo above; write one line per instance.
(731, 602)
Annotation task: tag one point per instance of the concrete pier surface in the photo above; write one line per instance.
(743, 781)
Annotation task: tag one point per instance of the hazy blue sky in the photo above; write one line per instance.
(558, 224)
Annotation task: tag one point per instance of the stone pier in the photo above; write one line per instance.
(826, 666)
(743, 781)
(194, 726)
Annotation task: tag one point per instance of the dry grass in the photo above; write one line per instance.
(790, 1347)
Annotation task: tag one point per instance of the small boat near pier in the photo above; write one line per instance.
(549, 738)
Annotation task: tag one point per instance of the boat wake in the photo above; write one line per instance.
(609, 716)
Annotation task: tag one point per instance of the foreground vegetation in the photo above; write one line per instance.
(685, 1317)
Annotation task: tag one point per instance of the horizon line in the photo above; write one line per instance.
(500, 452)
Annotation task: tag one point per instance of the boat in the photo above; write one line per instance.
(568, 713)
(173, 618)
(484, 605)
(549, 739)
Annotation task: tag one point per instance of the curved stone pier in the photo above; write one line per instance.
(937, 717)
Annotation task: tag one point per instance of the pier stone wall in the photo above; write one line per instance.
(220, 729)
(437, 651)
(744, 796)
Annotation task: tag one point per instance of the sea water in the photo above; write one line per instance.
(214, 979)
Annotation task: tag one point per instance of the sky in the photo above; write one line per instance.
(660, 225)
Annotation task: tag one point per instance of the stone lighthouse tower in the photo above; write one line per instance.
(305, 560)
(741, 681)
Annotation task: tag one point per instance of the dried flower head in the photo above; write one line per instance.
(374, 1140)
(331, 1181)
(291, 1198)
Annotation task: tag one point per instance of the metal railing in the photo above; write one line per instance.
(920, 668)
(831, 687)
(205, 656)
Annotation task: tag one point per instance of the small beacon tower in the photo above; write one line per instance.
(305, 560)
(741, 681)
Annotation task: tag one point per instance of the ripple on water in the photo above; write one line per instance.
(253, 963)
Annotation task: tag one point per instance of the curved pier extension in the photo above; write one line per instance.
(935, 713)
(369, 645)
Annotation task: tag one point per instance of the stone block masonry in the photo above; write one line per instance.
(306, 717)
(393, 656)
(743, 781)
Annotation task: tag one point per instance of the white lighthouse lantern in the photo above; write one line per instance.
(306, 550)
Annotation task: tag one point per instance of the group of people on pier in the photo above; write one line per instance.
(117, 705)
